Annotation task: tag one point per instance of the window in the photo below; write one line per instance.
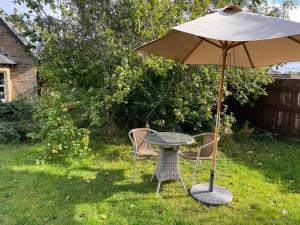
(2, 87)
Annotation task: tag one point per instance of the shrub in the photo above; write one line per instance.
(227, 120)
(8, 134)
(16, 110)
(58, 130)
(244, 133)
(67, 140)
(262, 136)
(16, 121)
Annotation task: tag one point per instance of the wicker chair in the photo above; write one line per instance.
(141, 148)
(204, 150)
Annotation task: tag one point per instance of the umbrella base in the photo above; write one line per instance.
(219, 195)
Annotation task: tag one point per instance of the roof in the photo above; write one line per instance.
(13, 31)
(4, 60)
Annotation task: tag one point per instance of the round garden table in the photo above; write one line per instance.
(170, 143)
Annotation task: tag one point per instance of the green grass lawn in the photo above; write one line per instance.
(264, 178)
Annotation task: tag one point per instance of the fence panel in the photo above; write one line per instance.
(278, 112)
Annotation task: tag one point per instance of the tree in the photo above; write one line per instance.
(86, 54)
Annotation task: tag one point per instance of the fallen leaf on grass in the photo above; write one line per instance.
(103, 216)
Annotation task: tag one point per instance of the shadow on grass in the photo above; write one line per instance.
(64, 193)
(278, 160)
(111, 152)
(31, 195)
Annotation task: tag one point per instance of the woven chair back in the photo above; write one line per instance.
(208, 150)
(138, 137)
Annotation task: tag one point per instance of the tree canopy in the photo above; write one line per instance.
(85, 55)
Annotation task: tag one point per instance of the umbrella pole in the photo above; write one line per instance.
(211, 194)
(215, 148)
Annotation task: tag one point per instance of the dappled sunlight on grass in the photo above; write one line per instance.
(100, 189)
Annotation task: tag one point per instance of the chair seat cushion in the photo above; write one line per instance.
(192, 155)
(145, 152)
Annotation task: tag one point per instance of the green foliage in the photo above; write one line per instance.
(262, 135)
(16, 121)
(15, 110)
(8, 133)
(87, 55)
(226, 124)
(263, 177)
(58, 131)
(244, 133)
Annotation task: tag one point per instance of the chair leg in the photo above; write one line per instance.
(134, 165)
(195, 172)
(152, 177)
(158, 187)
(201, 165)
(183, 186)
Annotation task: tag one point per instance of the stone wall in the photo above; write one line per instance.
(23, 75)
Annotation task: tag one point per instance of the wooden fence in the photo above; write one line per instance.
(277, 112)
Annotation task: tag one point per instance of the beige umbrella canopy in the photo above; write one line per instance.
(229, 37)
(252, 40)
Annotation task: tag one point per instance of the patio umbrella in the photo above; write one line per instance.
(228, 37)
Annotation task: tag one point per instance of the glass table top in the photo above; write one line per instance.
(169, 138)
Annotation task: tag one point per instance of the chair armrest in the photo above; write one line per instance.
(153, 131)
(130, 137)
(199, 135)
(132, 141)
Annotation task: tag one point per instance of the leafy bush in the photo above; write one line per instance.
(58, 130)
(101, 73)
(226, 124)
(16, 110)
(16, 121)
(244, 133)
(262, 135)
(8, 134)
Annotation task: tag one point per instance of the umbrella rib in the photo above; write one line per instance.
(191, 52)
(293, 39)
(151, 42)
(210, 42)
(248, 55)
(233, 45)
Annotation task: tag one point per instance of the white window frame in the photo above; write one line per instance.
(4, 87)
(7, 84)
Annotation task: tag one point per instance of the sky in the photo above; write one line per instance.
(294, 66)
(8, 7)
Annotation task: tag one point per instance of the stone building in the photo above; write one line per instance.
(17, 70)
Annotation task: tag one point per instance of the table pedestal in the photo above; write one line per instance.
(167, 168)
